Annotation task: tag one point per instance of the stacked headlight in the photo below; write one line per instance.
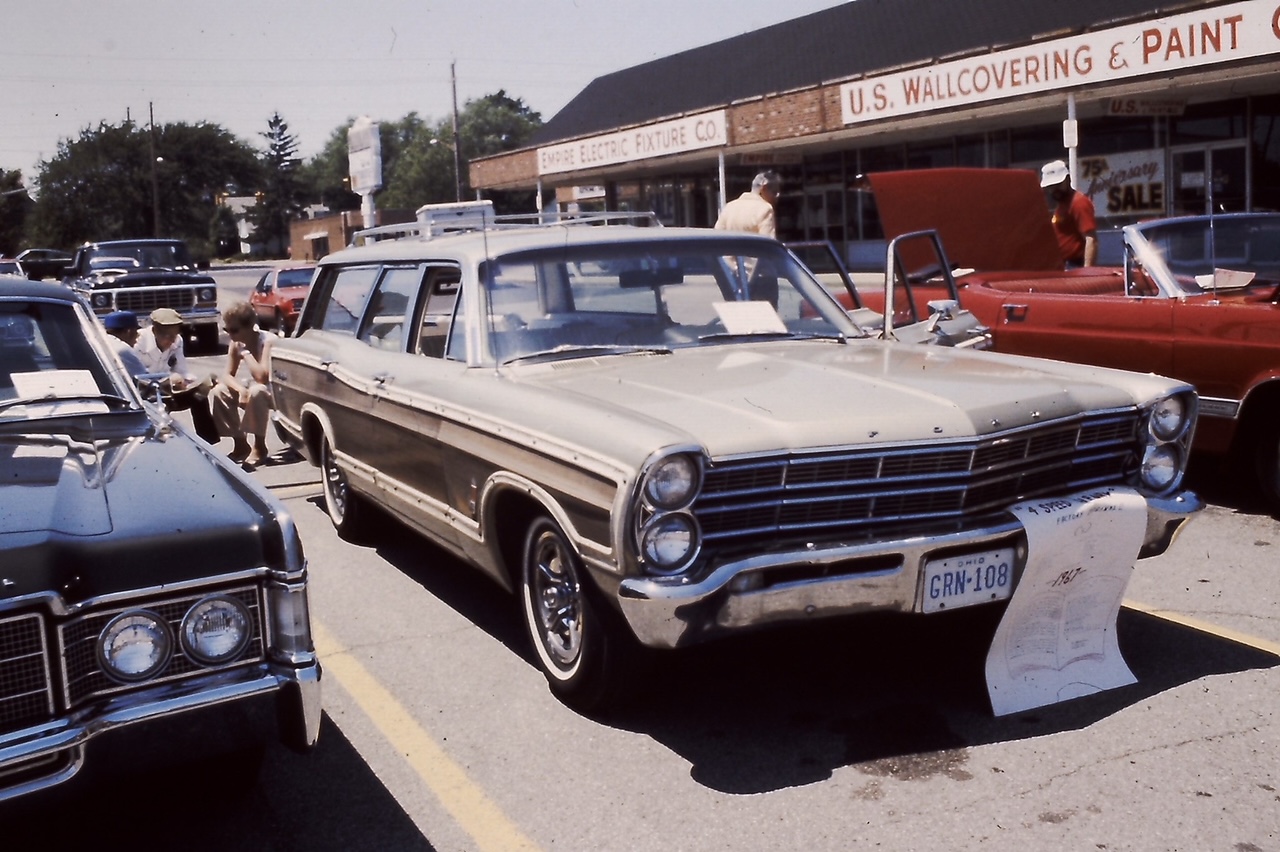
(135, 646)
(667, 535)
(216, 630)
(1170, 423)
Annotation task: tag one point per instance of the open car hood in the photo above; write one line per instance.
(989, 219)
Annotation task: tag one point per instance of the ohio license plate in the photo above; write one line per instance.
(969, 579)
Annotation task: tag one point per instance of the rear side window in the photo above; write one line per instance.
(344, 298)
(384, 322)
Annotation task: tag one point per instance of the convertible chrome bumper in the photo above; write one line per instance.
(832, 579)
(41, 756)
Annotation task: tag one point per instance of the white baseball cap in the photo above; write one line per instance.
(1053, 174)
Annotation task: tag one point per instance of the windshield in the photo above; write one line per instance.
(653, 296)
(141, 256)
(47, 365)
(1201, 253)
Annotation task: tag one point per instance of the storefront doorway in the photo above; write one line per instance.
(1209, 179)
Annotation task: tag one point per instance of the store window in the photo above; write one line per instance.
(1265, 142)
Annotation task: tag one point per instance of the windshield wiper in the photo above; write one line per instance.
(109, 399)
(572, 350)
(772, 335)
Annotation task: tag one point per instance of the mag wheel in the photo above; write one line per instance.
(579, 646)
(344, 505)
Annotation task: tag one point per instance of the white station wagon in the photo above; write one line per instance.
(660, 436)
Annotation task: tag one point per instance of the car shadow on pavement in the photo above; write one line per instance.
(893, 695)
(327, 799)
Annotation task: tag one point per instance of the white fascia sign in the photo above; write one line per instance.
(1167, 45)
(680, 135)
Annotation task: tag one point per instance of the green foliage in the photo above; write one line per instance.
(108, 184)
(126, 181)
(224, 236)
(15, 204)
(280, 193)
(323, 178)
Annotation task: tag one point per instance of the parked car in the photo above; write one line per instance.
(941, 321)
(659, 436)
(1197, 298)
(142, 575)
(278, 296)
(39, 263)
(142, 275)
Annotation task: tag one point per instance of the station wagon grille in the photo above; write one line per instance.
(26, 692)
(144, 300)
(863, 492)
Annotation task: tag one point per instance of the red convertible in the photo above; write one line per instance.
(1197, 297)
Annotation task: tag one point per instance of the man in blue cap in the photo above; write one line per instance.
(122, 327)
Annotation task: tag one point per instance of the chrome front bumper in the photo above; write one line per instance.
(59, 744)
(832, 579)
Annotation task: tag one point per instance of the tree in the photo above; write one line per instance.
(279, 198)
(491, 125)
(107, 184)
(324, 177)
(14, 207)
(418, 161)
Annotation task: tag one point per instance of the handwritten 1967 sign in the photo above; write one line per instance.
(1204, 37)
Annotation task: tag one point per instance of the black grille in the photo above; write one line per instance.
(861, 492)
(26, 693)
(145, 300)
(84, 677)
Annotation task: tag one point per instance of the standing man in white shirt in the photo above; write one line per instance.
(753, 211)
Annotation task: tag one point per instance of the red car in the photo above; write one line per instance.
(279, 295)
(1197, 297)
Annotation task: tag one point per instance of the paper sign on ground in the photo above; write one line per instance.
(1057, 639)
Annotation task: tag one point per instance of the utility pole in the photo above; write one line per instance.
(155, 180)
(457, 158)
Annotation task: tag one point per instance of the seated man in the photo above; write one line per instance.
(122, 327)
(160, 348)
(242, 403)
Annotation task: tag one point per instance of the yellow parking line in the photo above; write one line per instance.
(477, 815)
(1207, 627)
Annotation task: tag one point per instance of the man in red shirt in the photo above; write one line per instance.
(1073, 216)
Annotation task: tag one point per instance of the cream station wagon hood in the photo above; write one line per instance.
(779, 396)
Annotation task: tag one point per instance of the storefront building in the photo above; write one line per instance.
(1159, 111)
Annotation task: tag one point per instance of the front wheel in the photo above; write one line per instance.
(345, 507)
(580, 648)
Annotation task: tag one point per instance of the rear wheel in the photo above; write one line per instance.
(346, 509)
(1267, 461)
(580, 647)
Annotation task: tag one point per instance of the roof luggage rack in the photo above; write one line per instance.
(435, 220)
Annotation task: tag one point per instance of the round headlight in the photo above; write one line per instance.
(672, 483)
(207, 294)
(668, 542)
(101, 300)
(1169, 417)
(1160, 467)
(216, 630)
(135, 646)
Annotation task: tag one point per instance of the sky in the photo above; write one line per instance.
(68, 65)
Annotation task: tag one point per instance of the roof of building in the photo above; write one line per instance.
(846, 41)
